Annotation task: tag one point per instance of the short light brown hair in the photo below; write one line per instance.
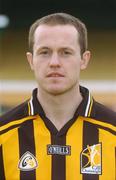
(60, 19)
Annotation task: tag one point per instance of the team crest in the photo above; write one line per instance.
(27, 162)
(91, 160)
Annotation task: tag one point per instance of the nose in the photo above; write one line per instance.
(55, 60)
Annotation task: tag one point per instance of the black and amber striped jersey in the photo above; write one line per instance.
(31, 148)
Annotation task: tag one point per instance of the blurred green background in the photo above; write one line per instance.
(100, 19)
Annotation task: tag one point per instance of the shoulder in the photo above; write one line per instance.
(13, 120)
(16, 113)
(103, 113)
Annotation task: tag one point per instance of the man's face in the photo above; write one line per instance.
(56, 59)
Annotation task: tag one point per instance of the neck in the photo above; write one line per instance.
(60, 108)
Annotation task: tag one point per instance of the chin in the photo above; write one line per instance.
(57, 91)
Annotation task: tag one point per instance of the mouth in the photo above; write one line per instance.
(55, 74)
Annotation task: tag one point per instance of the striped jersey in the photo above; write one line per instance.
(31, 148)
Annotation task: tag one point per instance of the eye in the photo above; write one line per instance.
(66, 52)
(44, 52)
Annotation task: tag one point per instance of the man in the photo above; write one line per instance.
(61, 133)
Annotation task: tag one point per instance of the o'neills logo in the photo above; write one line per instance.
(58, 149)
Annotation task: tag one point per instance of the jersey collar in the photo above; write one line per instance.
(84, 109)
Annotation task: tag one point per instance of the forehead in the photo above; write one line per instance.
(56, 32)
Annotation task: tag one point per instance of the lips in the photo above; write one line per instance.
(55, 74)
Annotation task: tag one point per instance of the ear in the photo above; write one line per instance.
(85, 59)
(30, 59)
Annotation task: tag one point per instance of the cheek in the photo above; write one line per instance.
(39, 69)
(75, 68)
(74, 73)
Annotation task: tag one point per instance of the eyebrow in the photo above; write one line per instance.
(42, 48)
(48, 48)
